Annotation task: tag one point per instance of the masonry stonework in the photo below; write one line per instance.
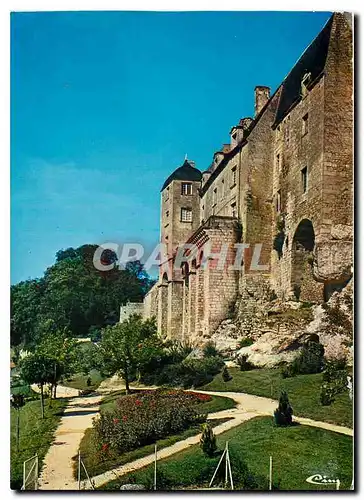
(283, 187)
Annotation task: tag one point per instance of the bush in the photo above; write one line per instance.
(143, 418)
(287, 371)
(226, 374)
(245, 342)
(188, 373)
(208, 441)
(334, 381)
(309, 360)
(210, 350)
(244, 363)
(283, 414)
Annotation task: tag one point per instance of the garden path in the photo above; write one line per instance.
(57, 472)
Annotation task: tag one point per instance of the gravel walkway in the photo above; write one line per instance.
(57, 471)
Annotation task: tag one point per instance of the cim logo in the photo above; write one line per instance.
(323, 480)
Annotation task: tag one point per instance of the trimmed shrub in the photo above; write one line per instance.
(208, 440)
(283, 414)
(226, 374)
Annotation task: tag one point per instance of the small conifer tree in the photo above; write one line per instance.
(283, 414)
(208, 440)
(225, 374)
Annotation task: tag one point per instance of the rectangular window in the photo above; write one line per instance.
(305, 124)
(233, 209)
(222, 193)
(214, 196)
(186, 215)
(278, 201)
(167, 213)
(233, 176)
(186, 188)
(304, 179)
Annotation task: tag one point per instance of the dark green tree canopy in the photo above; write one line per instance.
(73, 294)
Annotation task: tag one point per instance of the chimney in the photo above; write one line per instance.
(262, 95)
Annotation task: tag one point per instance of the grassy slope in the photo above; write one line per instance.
(298, 452)
(303, 392)
(79, 381)
(36, 434)
(97, 462)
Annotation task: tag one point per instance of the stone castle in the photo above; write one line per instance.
(283, 185)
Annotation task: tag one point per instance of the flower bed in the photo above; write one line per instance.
(143, 418)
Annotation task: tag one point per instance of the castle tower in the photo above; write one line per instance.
(180, 209)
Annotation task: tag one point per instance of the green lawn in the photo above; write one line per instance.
(97, 462)
(298, 452)
(36, 435)
(303, 392)
(79, 381)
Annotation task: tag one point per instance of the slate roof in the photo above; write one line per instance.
(312, 61)
(184, 173)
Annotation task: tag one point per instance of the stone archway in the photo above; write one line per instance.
(304, 286)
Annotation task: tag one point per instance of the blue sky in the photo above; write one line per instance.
(105, 105)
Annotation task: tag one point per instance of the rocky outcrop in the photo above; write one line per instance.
(279, 329)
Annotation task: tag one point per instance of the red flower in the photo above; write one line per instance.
(105, 447)
(125, 418)
(116, 420)
(138, 402)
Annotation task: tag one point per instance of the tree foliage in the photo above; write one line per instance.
(38, 368)
(128, 346)
(73, 294)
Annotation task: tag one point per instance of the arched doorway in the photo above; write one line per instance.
(304, 286)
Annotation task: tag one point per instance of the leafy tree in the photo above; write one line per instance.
(75, 295)
(127, 346)
(26, 299)
(61, 349)
(283, 414)
(38, 369)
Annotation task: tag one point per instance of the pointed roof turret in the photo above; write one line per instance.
(186, 172)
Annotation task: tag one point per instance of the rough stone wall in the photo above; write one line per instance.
(227, 193)
(173, 230)
(256, 179)
(334, 248)
(311, 212)
(131, 308)
(297, 150)
(150, 302)
(326, 151)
